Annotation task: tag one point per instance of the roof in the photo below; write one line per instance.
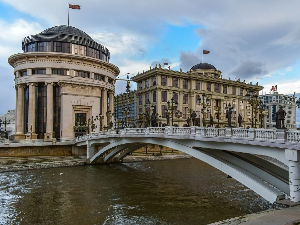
(64, 29)
(203, 66)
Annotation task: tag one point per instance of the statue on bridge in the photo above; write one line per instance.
(188, 120)
(153, 120)
(193, 115)
(228, 116)
(168, 119)
(280, 115)
(211, 121)
(240, 119)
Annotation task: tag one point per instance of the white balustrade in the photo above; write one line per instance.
(156, 130)
(293, 136)
(181, 130)
(265, 134)
(240, 133)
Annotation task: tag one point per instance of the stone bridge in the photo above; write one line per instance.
(265, 160)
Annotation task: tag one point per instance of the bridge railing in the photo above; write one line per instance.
(240, 133)
(265, 134)
(293, 136)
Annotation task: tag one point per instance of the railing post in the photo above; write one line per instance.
(147, 131)
(90, 151)
(228, 132)
(193, 130)
(202, 131)
(251, 134)
(280, 135)
(294, 173)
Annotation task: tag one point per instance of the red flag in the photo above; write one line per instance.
(206, 52)
(166, 63)
(74, 6)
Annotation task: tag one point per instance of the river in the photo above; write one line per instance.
(182, 191)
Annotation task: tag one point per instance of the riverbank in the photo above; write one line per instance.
(10, 164)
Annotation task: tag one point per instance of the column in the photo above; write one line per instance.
(20, 113)
(31, 112)
(111, 105)
(104, 106)
(49, 125)
(294, 173)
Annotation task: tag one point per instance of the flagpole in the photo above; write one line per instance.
(202, 56)
(68, 15)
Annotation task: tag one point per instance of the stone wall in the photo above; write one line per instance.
(63, 150)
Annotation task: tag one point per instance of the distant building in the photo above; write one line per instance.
(273, 100)
(157, 86)
(62, 79)
(125, 105)
(7, 124)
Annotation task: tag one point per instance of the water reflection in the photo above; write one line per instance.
(184, 191)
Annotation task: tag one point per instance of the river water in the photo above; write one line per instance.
(182, 191)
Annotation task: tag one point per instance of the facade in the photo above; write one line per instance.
(125, 106)
(7, 124)
(62, 78)
(158, 86)
(273, 101)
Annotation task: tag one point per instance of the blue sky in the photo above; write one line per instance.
(245, 39)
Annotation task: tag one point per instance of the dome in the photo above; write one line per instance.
(204, 66)
(64, 29)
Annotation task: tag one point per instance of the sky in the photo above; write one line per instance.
(257, 41)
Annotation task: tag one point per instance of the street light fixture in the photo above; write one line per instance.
(254, 100)
(205, 102)
(171, 108)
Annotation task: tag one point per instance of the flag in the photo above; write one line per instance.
(166, 64)
(206, 52)
(74, 6)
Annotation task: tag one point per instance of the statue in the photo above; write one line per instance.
(280, 114)
(211, 121)
(193, 115)
(228, 116)
(153, 120)
(240, 118)
(168, 119)
(188, 120)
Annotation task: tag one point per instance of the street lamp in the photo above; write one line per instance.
(171, 107)
(254, 100)
(261, 108)
(205, 102)
(126, 112)
(108, 117)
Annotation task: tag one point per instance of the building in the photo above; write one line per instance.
(157, 86)
(125, 106)
(63, 78)
(7, 124)
(273, 101)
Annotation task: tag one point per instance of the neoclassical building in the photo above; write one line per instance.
(62, 78)
(157, 86)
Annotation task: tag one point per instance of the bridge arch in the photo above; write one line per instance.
(271, 186)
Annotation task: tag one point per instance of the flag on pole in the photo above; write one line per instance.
(74, 6)
(206, 52)
(165, 64)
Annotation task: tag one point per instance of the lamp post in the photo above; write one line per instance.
(171, 108)
(261, 108)
(254, 100)
(218, 108)
(126, 112)
(205, 101)
(108, 117)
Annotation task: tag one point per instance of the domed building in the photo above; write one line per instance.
(201, 94)
(63, 78)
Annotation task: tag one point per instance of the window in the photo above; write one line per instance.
(23, 73)
(234, 90)
(217, 88)
(154, 96)
(164, 80)
(164, 96)
(185, 83)
(197, 84)
(39, 71)
(175, 96)
(163, 111)
(31, 47)
(61, 47)
(78, 49)
(93, 53)
(185, 98)
(154, 81)
(60, 71)
(185, 112)
(140, 85)
(242, 91)
(44, 46)
(83, 74)
(175, 82)
(224, 89)
(208, 86)
(147, 98)
(147, 83)
(99, 77)
(140, 100)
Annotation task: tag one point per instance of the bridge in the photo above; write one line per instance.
(265, 160)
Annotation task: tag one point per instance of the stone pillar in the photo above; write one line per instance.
(90, 151)
(49, 126)
(31, 113)
(294, 173)
(111, 105)
(20, 114)
(104, 107)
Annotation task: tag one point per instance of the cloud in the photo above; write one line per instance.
(249, 68)
(188, 60)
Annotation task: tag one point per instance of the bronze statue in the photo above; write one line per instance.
(211, 120)
(168, 119)
(280, 114)
(153, 120)
(228, 116)
(240, 118)
(188, 120)
(193, 115)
